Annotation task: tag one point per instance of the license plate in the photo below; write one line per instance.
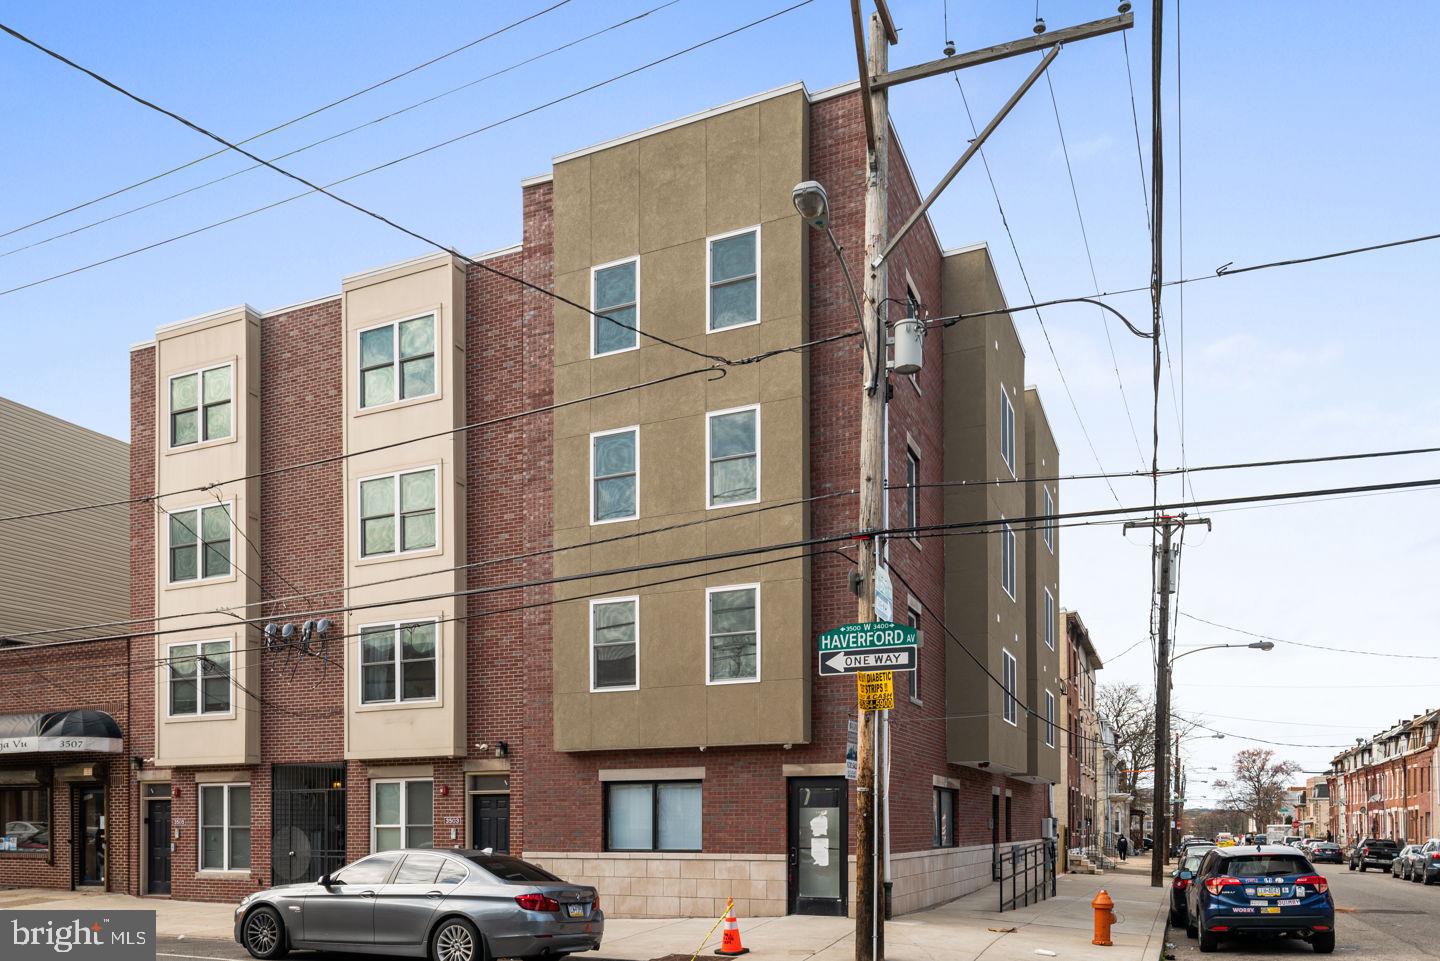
(1269, 910)
(1271, 892)
(575, 910)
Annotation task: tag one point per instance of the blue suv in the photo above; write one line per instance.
(1259, 889)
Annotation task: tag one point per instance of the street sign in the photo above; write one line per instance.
(855, 662)
(876, 691)
(852, 744)
(884, 594)
(874, 636)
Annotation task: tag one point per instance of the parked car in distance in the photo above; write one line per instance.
(1373, 853)
(425, 903)
(1400, 867)
(1272, 889)
(1426, 869)
(1327, 852)
(1294, 840)
(1180, 880)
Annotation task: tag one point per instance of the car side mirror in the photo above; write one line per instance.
(326, 881)
(1187, 875)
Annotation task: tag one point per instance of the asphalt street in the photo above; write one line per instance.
(1377, 917)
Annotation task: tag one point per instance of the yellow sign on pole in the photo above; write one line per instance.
(875, 690)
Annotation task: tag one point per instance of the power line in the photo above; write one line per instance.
(335, 136)
(1090, 259)
(325, 189)
(1015, 250)
(281, 126)
(865, 536)
(1317, 647)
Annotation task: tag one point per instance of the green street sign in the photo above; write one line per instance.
(875, 636)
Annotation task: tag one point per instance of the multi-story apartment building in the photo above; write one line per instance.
(60, 568)
(1083, 817)
(518, 585)
(1312, 814)
(1385, 786)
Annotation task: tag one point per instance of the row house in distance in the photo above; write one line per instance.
(414, 485)
(1083, 818)
(1385, 786)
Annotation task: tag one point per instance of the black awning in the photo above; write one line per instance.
(79, 730)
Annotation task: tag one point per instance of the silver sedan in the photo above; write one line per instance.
(445, 905)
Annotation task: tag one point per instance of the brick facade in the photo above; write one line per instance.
(555, 797)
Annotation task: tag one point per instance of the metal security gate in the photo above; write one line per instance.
(308, 816)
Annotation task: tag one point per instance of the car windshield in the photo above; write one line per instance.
(1327, 846)
(1382, 844)
(513, 870)
(1192, 863)
(1264, 865)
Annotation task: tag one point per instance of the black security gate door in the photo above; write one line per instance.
(490, 821)
(818, 837)
(157, 848)
(308, 817)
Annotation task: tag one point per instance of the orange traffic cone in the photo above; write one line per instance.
(730, 945)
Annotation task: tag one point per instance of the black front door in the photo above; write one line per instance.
(817, 841)
(88, 841)
(157, 848)
(490, 822)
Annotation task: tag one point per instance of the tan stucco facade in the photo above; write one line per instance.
(431, 727)
(1042, 573)
(982, 358)
(659, 198)
(185, 609)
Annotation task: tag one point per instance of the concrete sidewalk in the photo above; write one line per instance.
(958, 931)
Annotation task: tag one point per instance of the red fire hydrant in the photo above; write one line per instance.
(1104, 917)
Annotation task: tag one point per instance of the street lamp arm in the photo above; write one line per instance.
(956, 318)
(1258, 646)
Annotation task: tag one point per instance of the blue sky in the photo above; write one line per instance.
(1307, 127)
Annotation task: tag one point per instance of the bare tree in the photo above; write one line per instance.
(1258, 786)
(1131, 713)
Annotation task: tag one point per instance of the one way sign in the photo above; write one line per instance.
(856, 662)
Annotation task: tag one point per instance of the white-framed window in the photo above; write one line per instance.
(1007, 559)
(1049, 719)
(615, 475)
(399, 662)
(732, 625)
(732, 274)
(199, 679)
(615, 295)
(224, 827)
(912, 618)
(1011, 705)
(200, 543)
(615, 644)
(1049, 511)
(1007, 430)
(1049, 634)
(732, 454)
(912, 489)
(397, 361)
(653, 815)
(399, 512)
(202, 405)
(402, 814)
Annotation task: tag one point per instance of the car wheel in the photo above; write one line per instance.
(1361, 869)
(264, 934)
(1426, 878)
(1191, 931)
(1209, 941)
(1352, 865)
(1323, 943)
(456, 940)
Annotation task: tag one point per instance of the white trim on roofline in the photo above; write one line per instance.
(142, 345)
(536, 180)
(204, 318)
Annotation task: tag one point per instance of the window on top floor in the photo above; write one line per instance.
(397, 361)
(734, 279)
(202, 405)
(616, 297)
(1007, 430)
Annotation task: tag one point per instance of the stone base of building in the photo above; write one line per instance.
(675, 885)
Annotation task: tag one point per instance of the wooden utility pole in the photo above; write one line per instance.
(869, 882)
(872, 61)
(1159, 808)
